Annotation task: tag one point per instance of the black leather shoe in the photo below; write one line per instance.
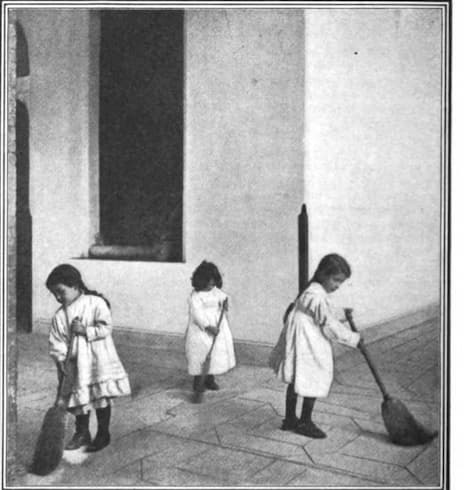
(211, 385)
(78, 440)
(310, 429)
(289, 424)
(100, 441)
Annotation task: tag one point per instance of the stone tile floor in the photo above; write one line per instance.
(159, 438)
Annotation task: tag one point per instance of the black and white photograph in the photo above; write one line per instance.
(225, 233)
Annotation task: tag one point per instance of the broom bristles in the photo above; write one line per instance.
(50, 443)
(402, 427)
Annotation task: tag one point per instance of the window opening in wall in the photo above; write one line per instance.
(141, 135)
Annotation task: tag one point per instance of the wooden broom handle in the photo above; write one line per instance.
(218, 325)
(365, 353)
(68, 355)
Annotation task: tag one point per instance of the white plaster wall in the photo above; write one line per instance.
(244, 156)
(58, 103)
(243, 167)
(373, 153)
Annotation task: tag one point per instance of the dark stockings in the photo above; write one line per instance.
(103, 418)
(290, 403)
(102, 439)
(305, 425)
(209, 383)
(307, 409)
(82, 423)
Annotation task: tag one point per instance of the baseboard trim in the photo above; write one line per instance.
(257, 353)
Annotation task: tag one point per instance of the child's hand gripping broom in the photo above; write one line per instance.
(401, 426)
(198, 395)
(50, 443)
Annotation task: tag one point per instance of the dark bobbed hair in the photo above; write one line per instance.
(203, 274)
(329, 265)
(69, 276)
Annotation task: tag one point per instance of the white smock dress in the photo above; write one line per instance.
(303, 354)
(95, 368)
(204, 311)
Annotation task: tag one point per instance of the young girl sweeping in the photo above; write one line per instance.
(83, 324)
(303, 357)
(205, 304)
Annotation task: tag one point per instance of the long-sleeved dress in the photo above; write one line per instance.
(96, 371)
(303, 354)
(204, 310)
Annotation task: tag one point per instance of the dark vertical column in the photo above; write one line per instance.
(23, 223)
(303, 259)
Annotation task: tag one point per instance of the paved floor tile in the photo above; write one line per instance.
(174, 450)
(381, 472)
(379, 448)
(280, 473)
(318, 478)
(123, 421)
(192, 418)
(426, 467)
(362, 403)
(128, 476)
(427, 386)
(231, 436)
(393, 344)
(374, 426)
(159, 438)
(335, 420)
(274, 398)
(371, 391)
(254, 418)
(233, 466)
(153, 409)
(127, 450)
(271, 430)
(172, 429)
(330, 408)
(165, 475)
(335, 441)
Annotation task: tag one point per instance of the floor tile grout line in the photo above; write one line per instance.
(259, 436)
(414, 398)
(382, 462)
(265, 452)
(421, 374)
(343, 472)
(419, 454)
(247, 412)
(264, 468)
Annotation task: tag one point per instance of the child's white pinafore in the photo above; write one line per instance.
(303, 354)
(204, 310)
(98, 374)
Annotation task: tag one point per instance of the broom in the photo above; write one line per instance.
(401, 426)
(198, 395)
(50, 443)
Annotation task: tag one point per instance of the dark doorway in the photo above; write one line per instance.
(141, 128)
(23, 223)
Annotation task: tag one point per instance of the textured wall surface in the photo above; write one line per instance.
(343, 113)
(244, 156)
(374, 152)
(244, 124)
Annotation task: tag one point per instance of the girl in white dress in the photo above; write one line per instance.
(303, 357)
(83, 324)
(205, 304)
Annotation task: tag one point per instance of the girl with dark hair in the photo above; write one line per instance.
(205, 304)
(303, 356)
(94, 366)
